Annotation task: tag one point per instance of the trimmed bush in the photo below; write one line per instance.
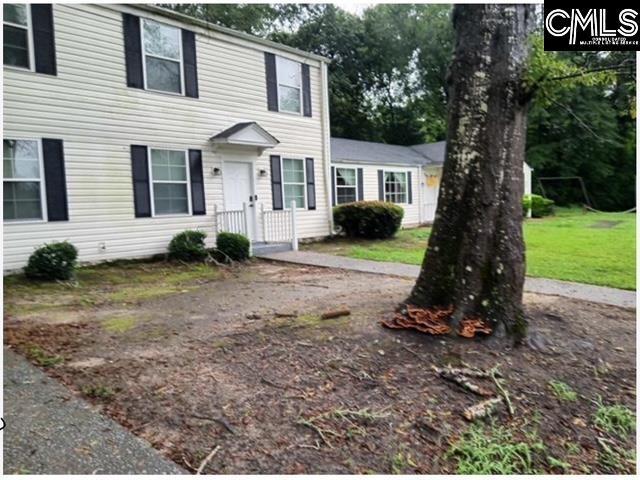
(540, 206)
(234, 245)
(53, 261)
(188, 246)
(368, 219)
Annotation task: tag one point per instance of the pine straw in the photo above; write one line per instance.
(434, 321)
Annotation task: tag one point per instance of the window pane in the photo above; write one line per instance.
(15, 49)
(346, 176)
(15, 13)
(292, 170)
(161, 40)
(170, 198)
(289, 99)
(20, 159)
(346, 194)
(163, 75)
(294, 192)
(22, 200)
(288, 72)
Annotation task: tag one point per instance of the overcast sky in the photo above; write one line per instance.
(353, 7)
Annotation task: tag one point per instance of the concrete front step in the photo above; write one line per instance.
(262, 248)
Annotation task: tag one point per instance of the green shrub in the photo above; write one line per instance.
(540, 206)
(233, 245)
(368, 219)
(53, 261)
(188, 246)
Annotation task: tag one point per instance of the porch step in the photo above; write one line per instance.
(262, 248)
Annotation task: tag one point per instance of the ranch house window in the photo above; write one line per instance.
(170, 182)
(23, 188)
(293, 182)
(16, 35)
(289, 85)
(346, 185)
(395, 187)
(162, 57)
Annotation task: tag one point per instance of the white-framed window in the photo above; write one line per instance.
(23, 180)
(16, 31)
(395, 187)
(162, 52)
(346, 185)
(170, 183)
(289, 75)
(294, 182)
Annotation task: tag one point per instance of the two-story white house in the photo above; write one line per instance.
(126, 124)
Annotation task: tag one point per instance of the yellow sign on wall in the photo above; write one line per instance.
(432, 181)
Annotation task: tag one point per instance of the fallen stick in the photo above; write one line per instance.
(206, 460)
(335, 314)
(462, 381)
(219, 420)
(472, 372)
(482, 409)
(503, 392)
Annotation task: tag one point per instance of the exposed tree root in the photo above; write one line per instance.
(434, 321)
(459, 379)
(482, 409)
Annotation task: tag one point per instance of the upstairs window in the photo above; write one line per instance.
(23, 189)
(293, 182)
(346, 185)
(395, 187)
(170, 182)
(289, 75)
(162, 48)
(16, 35)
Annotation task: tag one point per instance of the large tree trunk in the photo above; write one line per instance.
(475, 257)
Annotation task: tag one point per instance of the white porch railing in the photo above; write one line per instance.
(270, 226)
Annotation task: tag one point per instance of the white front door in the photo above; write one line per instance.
(238, 190)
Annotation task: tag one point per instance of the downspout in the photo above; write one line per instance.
(326, 141)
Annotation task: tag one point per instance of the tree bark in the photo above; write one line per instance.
(475, 256)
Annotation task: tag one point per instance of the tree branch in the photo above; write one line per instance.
(621, 66)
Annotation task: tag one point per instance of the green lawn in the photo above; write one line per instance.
(572, 245)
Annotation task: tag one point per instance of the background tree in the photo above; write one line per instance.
(475, 257)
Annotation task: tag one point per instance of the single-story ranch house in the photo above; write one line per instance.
(409, 176)
(127, 124)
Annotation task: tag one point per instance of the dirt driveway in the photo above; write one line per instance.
(240, 359)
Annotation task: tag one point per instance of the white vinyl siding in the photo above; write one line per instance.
(293, 182)
(90, 107)
(17, 44)
(162, 52)
(396, 187)
(289, 74)
(23, 196)
(170, 188)
(346, 185)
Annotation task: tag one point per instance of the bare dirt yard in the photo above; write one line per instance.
(194, 357)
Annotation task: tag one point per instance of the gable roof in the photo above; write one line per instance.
(358, 151)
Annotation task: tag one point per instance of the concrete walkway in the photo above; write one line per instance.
(51, 431)
(579, 291)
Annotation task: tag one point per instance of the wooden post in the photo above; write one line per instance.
(245, 215)
(263, 223)
(294, 232)
(215, 219)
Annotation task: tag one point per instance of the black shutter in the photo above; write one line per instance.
(54, 180)
(276, 182)
(311, 184)
(140, 174)
(409, 189)
(132, 50)
(272, 81)
(381, 185)
(190, 64)
(360, 185)
(44, 47)
(198, 204)
(306, 91)
(333, 186)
